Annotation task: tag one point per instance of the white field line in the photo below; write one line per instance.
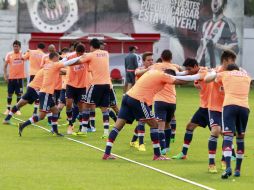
(129, 160)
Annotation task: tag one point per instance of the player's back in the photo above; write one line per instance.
(99, 67)
(236, 87)
(148, 85)
(35, 59)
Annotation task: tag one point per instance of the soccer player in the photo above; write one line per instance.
(235, 114)
(45, 59)
(98, 94)
(35, 58)
(76, 89)
(139, 131)
(29, 97)
(218, 34)
(131, 64)
(201, 116)
(16, 74)
(135, 106)
(50, 70)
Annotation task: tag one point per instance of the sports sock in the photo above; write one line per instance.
(173, 128)
(141, 132)
(106, 121)
(112, 115)
(49, 115)
(154, 134)
(212, 147)
(36, 106)
(54, 122)
(135, 135)
(92, 117)
(13, 111)
(162, 139)
(69, 116)
(227, 149)
(187, 140)
(239, 153)
(111, 139)
(30, 121)
(167, 137)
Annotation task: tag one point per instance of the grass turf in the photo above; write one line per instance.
(40, 161)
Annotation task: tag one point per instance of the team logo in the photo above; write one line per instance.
(54, 15)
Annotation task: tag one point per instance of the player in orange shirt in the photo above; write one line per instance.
(135, 106)
(31, 95)
(35, 58)
(98, 94)
(139, 131)
(215, 110)
(45, 58)
(235, 114)
(47, 104)
(201, 116)
(14, 61)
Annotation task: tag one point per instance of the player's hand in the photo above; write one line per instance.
(6, 77)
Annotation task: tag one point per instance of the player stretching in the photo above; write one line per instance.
(50, 70)
(16, 74)
(135, 106)
(235, 114)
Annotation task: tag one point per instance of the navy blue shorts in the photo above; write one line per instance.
(215, 118)
(132, 109)
(130, 78)
(46, 102)
(164, 111)
(98, 95)
(57, 94)
(113, 101)
(77, 94)
(15, 85)
(31, 95)
(201, 117)
(62, 98)
(235, 119)
(31, 78)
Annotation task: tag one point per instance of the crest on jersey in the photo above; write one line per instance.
(54, 15)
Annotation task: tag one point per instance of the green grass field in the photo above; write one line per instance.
(41, 161)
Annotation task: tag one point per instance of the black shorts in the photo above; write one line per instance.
(164, 111)
(77, 94)
(31, 78)
(98, 95)
(15, 85)
(132, 109)
(215, 118)
(62, 98)
(130, 77)
(235, 119)
(46, 102)
(31, 95)
(57, 94)
(201, 117)
(113, 101)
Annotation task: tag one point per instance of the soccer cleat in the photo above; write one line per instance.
(233, 158)
(91, 130)
(142, 148)
(164, 151)
(80, 133)
(7, 122)
(223, 165)
(212, 169)
(18, 113)
(104, 136)
(180, 156)
(57, 134)
(134, 144)
(108, 157)
(172, 140)
(160, 157)
(20, 129)
(237, 173)
(70, 130)
(6, 112)
(226, 173)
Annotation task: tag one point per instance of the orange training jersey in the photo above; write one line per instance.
(37, 81)
(50, 70)
(236, 87)
(35, 58)
(77, 74)
(16, 65)
(59, 82)
(98, 62)
(168, 93)
(138, 76)
(217, 94)
(204, 88)
(44, 60)
(149, 84)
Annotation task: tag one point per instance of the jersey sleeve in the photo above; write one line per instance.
(219, 77)
(7, 58)
(59, 65)
(168, 79)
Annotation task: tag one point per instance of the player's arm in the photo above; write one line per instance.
(5, 70)
(188, 77)
(26, 55)
(140, 72)
(181, 73)
(74, 61)
(84, 59)
(211, 76)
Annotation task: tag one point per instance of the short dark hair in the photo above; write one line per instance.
(131, 48)
(146, 54)
(166, 55)
(232, 67)
(65, 50)
(16, 42)
(95, 43)
(80, 48)
(159, 60)
(228, 54)
(52, 55)
(41, 45)
(170, 72)
(190, 62)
